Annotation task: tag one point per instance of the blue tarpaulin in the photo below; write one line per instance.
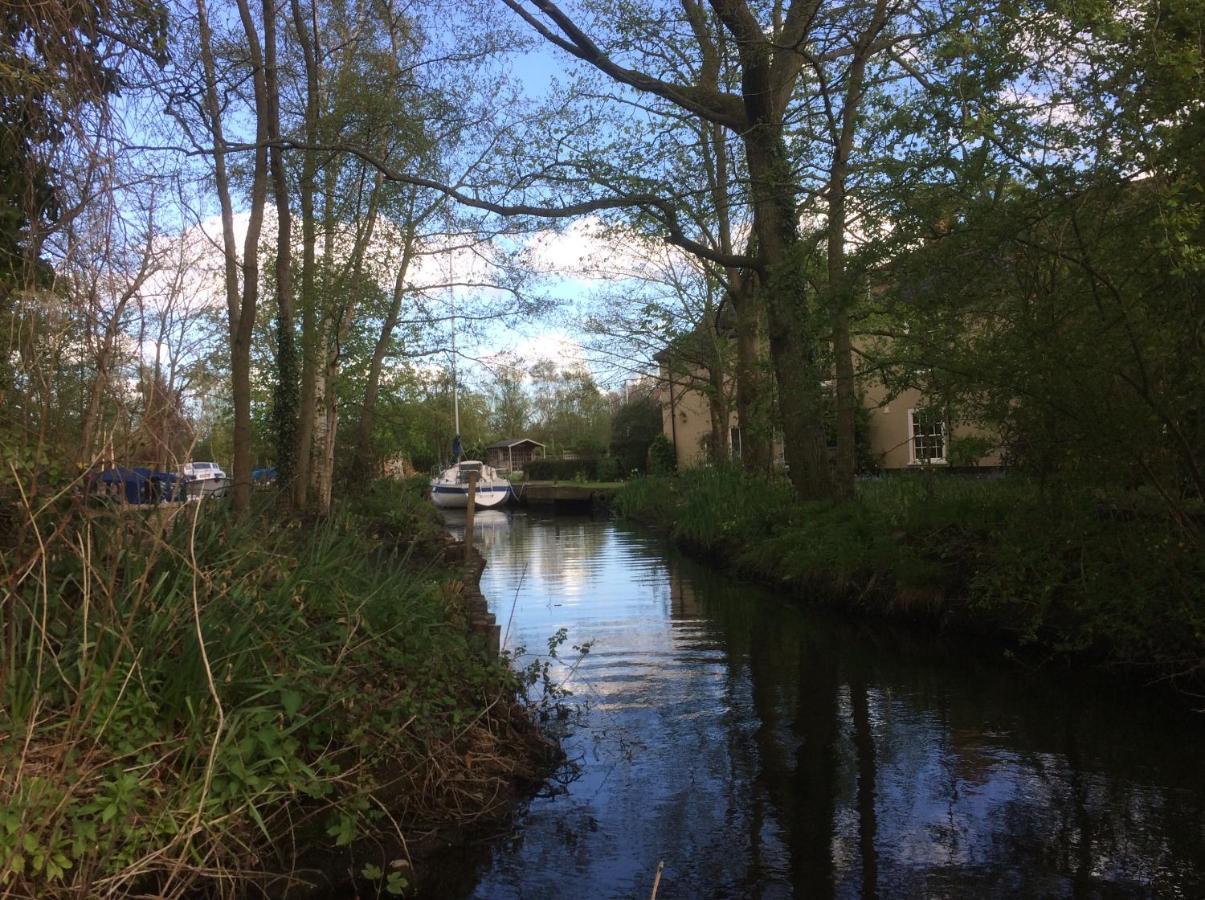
(134, 483)
(142, 485)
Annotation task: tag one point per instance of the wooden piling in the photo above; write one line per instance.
(468, 516)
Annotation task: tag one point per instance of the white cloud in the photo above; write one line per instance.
(575, 251)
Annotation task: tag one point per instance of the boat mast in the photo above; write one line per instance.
(455, 394)
(455, 388)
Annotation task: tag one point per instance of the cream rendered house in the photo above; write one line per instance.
(903, 434)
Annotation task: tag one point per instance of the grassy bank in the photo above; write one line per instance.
(1066, 572)
(193, 702)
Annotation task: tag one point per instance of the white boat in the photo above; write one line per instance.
(451, 489)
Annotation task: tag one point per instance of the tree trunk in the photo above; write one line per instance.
(717, 404)
(364, 451)
(839, 289)
(846, 394)
(240, 304)
(792, 344)
(307, 407)
(327, 340)
(284, 400)
(242, 328)
(752, 400)
(325, 470)
(340, 314)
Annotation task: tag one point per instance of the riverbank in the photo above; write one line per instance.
(248, 706)
(567, 495)
(1062, 574)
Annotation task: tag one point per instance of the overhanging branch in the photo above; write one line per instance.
(659, 207)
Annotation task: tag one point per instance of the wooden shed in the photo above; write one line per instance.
(513, 453)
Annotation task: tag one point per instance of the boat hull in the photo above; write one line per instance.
(456, 496)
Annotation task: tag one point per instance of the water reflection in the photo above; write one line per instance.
(488, 525)
(764, 752)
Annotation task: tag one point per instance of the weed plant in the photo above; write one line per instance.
(190, 699)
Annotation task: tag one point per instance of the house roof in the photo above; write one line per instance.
(512, 442)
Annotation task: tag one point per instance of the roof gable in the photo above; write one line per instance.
(513, 442)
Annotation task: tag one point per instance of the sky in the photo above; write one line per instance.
(559, 256)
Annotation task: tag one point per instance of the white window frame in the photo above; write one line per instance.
(913, 460)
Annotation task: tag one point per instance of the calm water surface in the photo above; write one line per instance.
(759, 750)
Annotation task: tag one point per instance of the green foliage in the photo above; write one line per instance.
(54, 65)
(591, 469)
(550, 674)
(661, 456)
(510, 405)
(611, 469)
(205, 688)
(1095, 375)
(413, 417)
(635, 425)
(1055, 297)
(568, 410)
(967, 450)
(398, 508)
(285, 402)
(1113, 577)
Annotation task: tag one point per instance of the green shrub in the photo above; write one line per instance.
(651, 500)
(563, 469)
(1117, 580)
(212, 687)
(609, 469)
(662, 458)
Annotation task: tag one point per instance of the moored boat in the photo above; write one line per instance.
(450, 489)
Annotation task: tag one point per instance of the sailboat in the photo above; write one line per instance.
(450, 489)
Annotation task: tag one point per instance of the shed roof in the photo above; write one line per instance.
(512, 442)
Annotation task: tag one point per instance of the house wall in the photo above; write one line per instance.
(889, 438)
(889, 435)
(689, 426)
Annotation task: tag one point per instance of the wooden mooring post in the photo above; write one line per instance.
(468, 516)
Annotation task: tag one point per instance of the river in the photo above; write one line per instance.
(755, 748)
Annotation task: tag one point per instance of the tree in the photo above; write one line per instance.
(636, 423)
(57, 61)
(285, 397)
(1056, 297)
(569, 411)
(510, 405)
(770, 49)
(664, 309)
(241, 279)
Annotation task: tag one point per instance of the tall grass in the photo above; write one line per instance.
(186, 692)
(1066, 570)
